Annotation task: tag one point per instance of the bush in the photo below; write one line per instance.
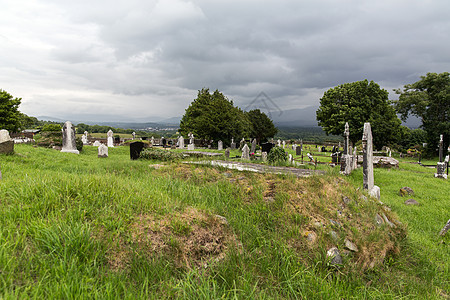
(79, 144)
(160, 154)
(277, 155)
(51, 127)
(49, 139)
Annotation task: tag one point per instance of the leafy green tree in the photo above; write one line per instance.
(357, 103)
(212, 116)
(10, 116)
(262, 127)
(428, 99)
(51, 127)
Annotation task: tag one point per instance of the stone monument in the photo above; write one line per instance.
(68, 141)
(245, 152)
(133, 135)
(368, 179)
(253, 149)
(219, 145)
(233, 144)
(441, 165)
(102, 151)
(84, 138)
(110, 142)
(181, 142)
(6, 143)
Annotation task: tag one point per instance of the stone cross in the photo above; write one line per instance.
(110, 141)
(181, 142)
(245, 152)
(68, 140)
(253, 146)
(219, 145)
(102, 151)
(346, 141)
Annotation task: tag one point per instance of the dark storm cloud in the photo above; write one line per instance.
(155, 55)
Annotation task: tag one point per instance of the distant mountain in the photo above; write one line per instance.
(303, 117)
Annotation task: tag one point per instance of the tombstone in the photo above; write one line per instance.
(136, 149)
(266, 147)
(245, 152)
(219, 145)
(6, 143)
(347, 164)
(96, 144)
(133, 135)
(298, 151)
(227, 153)
(233, 144)
(264, 156)
(102, 151)
(253, 149)
(290, 158)
(368, 179)
(284, 144)
(110, 141)
(241, 143)
(152, 140)
(84, 138)
(191, 138)
(190, 147)
(279, 143)
(441, 165)
(181, 142)
(68, 141)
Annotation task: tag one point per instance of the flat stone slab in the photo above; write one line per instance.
(203, 153)
(258, 168)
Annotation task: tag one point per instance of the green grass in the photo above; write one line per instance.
(77, 226)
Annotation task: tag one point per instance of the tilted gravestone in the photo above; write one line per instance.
(136, 149)
(245, 152)
(68, 141)
(102, 151)
(6, 143)
(368, 178)
(110, 141)
(253, 149)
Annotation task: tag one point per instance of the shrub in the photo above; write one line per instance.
(79, 144)
(51, 127)
(277, 155)
(160, 154)
(49, 139)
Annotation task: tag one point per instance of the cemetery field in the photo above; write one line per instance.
(82, 227)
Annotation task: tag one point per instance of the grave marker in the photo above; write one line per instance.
(68, 140)
(102, 151)
(110, 142)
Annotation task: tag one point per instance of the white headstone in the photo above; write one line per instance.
(4, 136)
(245, 152)
(284, 144)
(110, 135)
(279, 143)
(264, 156)
(96, 144)
(102, 151)
(219, 145)
(181, 142)
(68, 141)
(190, 147)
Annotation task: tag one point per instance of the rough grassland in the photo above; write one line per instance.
(80, 227)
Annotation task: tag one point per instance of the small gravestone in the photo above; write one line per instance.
(84, 138)
(233, 144)
(6, 143)
(290, 158)
(298, 151)
(219, 145)
(279, 143)
(68, 140)
(227, 153)
(253, 149)
(241, 143)
(133, 135)
(181, 142)
(152, 140)
(264, 156)
(96, 144)
(110, 141)
(245, 152)
(102, 151)
(284, 144)
(136, 149)
(191, 147)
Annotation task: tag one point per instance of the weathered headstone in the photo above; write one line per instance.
(227, 153)
(298, 150)
(284, 144)
(264, 156)
(181, 142)
(290, 158)
(152, 140)
(441, 165)
(96, 144)
(191, 138)
(110, 141)
(368, 179)
(346, 141)
(253, 149)
(84, 138)
(68, 140)
(102, 151)
(233, 144)
(133, 135)
(136, 149)
(191, 147)
(279, 143)
(241, 143)
(245, 152)
(6, 143)
(219, 145)
(347, 159)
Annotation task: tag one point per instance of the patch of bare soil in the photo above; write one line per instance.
(191, 238)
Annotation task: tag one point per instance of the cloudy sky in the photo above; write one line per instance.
(146, 60)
